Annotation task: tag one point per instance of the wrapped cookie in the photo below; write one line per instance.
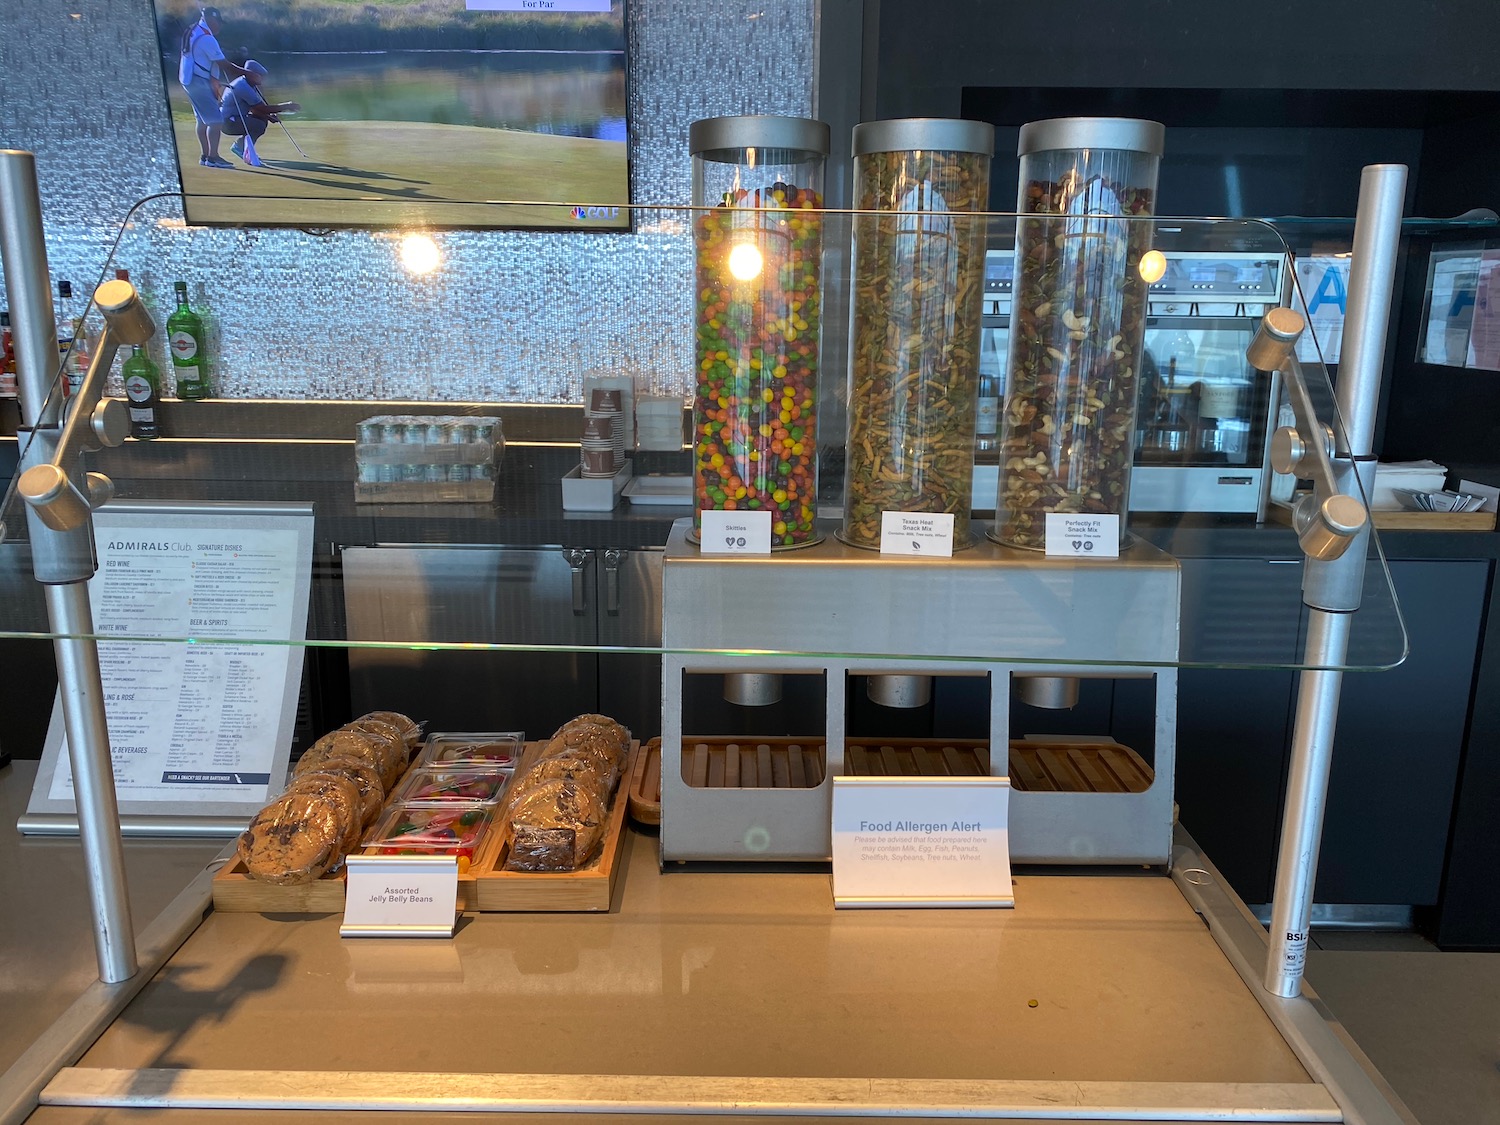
(616, 729)
(294, 839)
(614, 734)
(371, 791)
(592, 743)
(341, 794)
(411, 732)
(580, 768)
(557, 826)
(394, 752)
(345, 744)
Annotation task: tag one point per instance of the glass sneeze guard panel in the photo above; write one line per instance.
(274, 431)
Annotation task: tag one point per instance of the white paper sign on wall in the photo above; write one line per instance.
(400, 896)
(904, 842)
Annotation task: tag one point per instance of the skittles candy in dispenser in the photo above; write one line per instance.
(759, 242)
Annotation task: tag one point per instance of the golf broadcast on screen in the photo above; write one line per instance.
(444, 113)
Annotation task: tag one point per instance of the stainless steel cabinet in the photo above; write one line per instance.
(557, 597)
(628, 601)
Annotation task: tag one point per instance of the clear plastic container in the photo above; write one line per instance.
(446, 829)
(493, 749)
(918, 299)
(465, 783)
(758, 309)
(1078, 322)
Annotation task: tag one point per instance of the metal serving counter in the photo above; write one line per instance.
(1100, 997)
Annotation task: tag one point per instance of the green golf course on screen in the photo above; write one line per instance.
(440, 113)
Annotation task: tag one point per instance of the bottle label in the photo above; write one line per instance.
(187, 374)
(137, 389)
(139, 415)
(184, 346)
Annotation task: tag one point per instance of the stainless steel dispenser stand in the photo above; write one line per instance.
(833, 611)
(1333, 582)
(59, 501)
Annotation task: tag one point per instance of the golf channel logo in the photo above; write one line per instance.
(595, 214)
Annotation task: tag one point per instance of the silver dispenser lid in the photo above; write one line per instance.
(930, 134)
(722, 138)
(1129, 134)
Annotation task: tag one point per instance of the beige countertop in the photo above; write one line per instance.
(46, 934)
(696, 973)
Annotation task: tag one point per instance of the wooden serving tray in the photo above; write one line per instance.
(486, 886)
(1063, 765)
(588, 889)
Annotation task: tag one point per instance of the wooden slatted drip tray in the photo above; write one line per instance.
(1066, 766)
(1036, 765)
(916, 757)
(751, 763)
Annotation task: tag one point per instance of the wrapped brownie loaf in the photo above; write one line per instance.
(556, 826)
(556, 811)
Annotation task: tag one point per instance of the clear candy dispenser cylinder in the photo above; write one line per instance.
(1078, 322)
(759, 298)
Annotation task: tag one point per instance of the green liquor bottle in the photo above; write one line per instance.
(143, 392)
(186, 339)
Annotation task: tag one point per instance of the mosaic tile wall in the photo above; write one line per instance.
(514, 316)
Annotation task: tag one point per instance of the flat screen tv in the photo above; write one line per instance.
(434, 113)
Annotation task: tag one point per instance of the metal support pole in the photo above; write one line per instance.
(1332, 589)
(64, 561)
(93, 779)
(1306, 795)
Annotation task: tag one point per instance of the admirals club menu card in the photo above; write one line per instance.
(194, 606)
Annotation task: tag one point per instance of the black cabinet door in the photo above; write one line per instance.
(1233, 724)
(1399, 740)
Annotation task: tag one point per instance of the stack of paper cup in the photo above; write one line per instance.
(596, 456)
(606, 404)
